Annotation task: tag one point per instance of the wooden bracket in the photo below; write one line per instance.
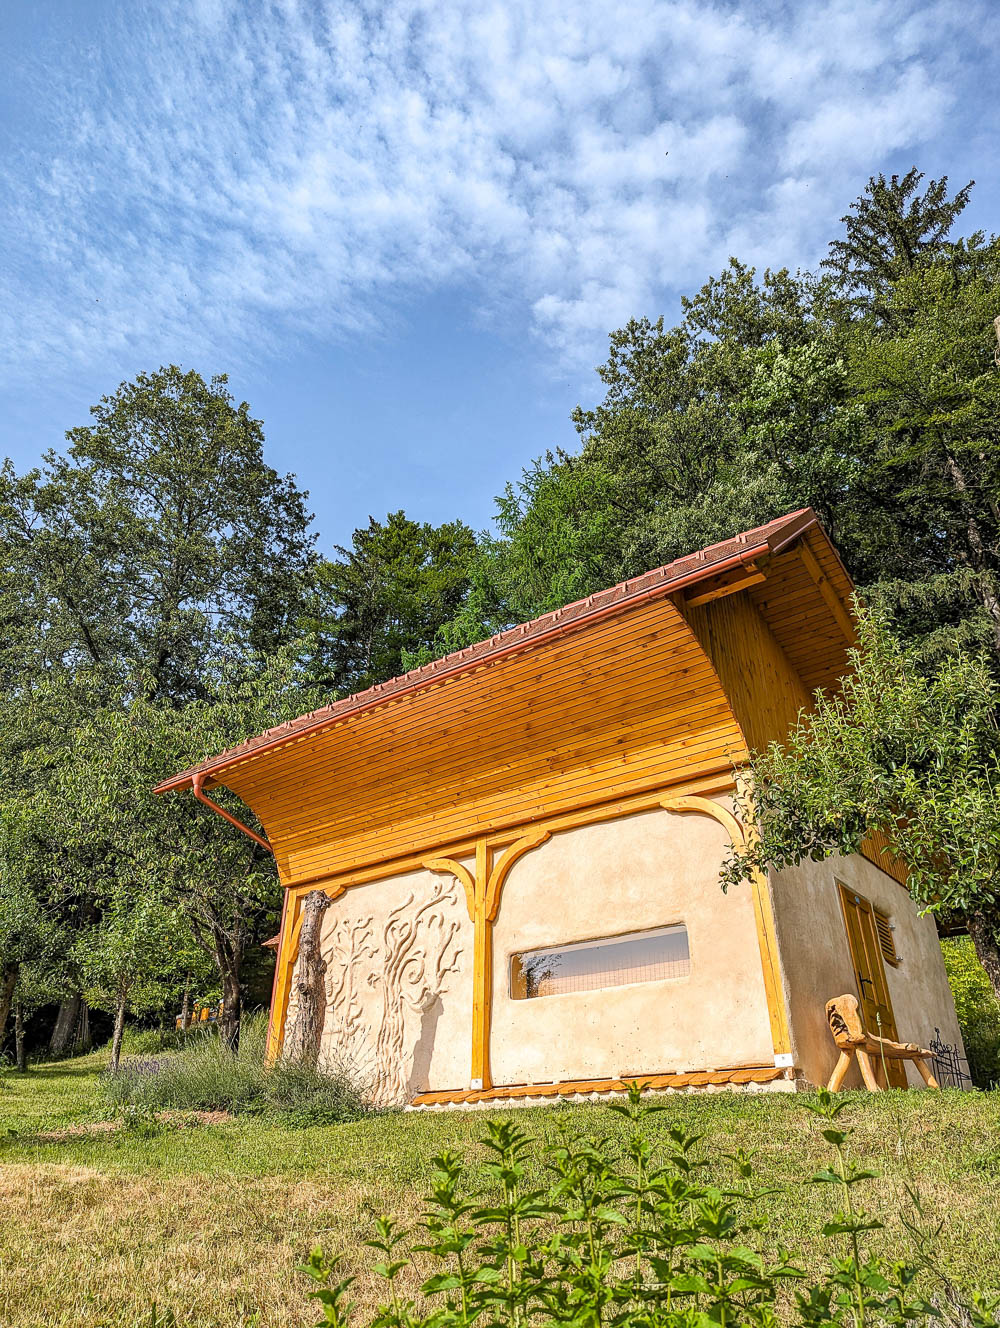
(726, 583)
(449, 866)
(498, 874)
(833, 600)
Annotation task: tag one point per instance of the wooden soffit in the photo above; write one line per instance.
(630, 703)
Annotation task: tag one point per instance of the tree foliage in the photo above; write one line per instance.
(977, 1008)
(157, 546)
(379, 605)
(780, 391)
(160, 531)
(910, 752)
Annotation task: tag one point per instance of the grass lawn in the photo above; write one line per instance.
(210, 1220)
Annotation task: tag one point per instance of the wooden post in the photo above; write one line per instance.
(482, 973)
(482, 894)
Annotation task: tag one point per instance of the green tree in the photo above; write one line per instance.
(911, 752)
(45, 891)
(129, 962)
(380, 604)
(160, 531)
(160, 541)
(977, 1008)
(776, 392)
(169, 849)
(890, 232)
(931, 396)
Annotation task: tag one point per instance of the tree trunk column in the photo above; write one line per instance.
(8, 981)
(64, 1032)
(302, 1045)
(116, 1037)
(19, 1052)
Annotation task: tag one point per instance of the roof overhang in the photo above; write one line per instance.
(712, 563)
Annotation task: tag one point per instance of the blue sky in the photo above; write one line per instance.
(406, 229)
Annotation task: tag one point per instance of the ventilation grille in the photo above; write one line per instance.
(886, 940)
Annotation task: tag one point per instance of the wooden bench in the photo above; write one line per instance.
(852, 1038)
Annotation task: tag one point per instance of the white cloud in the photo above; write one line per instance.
(236, 171)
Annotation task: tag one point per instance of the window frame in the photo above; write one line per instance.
(594, 941)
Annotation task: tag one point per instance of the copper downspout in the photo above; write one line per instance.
(197, 784)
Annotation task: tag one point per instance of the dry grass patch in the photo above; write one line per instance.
(89, 1249)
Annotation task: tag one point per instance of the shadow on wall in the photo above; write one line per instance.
(423, 1050)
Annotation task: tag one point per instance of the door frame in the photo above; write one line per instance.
(850, 898)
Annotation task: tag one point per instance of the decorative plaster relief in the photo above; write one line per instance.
(385, 979)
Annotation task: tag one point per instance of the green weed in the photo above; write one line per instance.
(633, 1238)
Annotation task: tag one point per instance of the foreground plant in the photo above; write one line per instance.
(641, 1240)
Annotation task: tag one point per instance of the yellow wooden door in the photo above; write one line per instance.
(869, 973)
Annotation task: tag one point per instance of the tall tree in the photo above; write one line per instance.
(160, 531)
(158, 542)
(776, 392)
(891, 230)
(168, 851)
(380, 604)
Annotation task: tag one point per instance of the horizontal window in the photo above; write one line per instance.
(614, 961)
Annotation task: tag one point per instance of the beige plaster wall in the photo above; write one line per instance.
(816, 960)
(399, 984)
(641, 871)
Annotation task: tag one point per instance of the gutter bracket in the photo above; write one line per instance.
(197, 788)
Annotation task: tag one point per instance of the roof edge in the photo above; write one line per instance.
(511, 641)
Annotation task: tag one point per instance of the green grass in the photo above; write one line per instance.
(212, 1220)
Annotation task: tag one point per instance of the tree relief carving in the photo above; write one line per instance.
(384, 982)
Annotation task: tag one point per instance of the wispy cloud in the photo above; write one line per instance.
(227, 173)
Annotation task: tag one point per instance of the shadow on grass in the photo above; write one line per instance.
(54, 1070)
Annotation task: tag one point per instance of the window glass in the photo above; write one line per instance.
(613, 961)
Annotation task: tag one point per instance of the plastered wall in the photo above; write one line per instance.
(816, 960)
(642, 871)
(399, 984)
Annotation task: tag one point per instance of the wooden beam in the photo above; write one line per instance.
(718, 586)
(833, 600)
(763, 913)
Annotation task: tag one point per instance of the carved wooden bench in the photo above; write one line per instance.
(853, 1039)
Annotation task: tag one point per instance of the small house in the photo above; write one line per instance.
(522, 843)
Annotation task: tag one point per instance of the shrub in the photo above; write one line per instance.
(205, 1075)
(150, 1041)
(977, 1009)
(634, 1241)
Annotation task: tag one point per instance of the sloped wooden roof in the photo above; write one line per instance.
(764, 540)
(609, 696)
